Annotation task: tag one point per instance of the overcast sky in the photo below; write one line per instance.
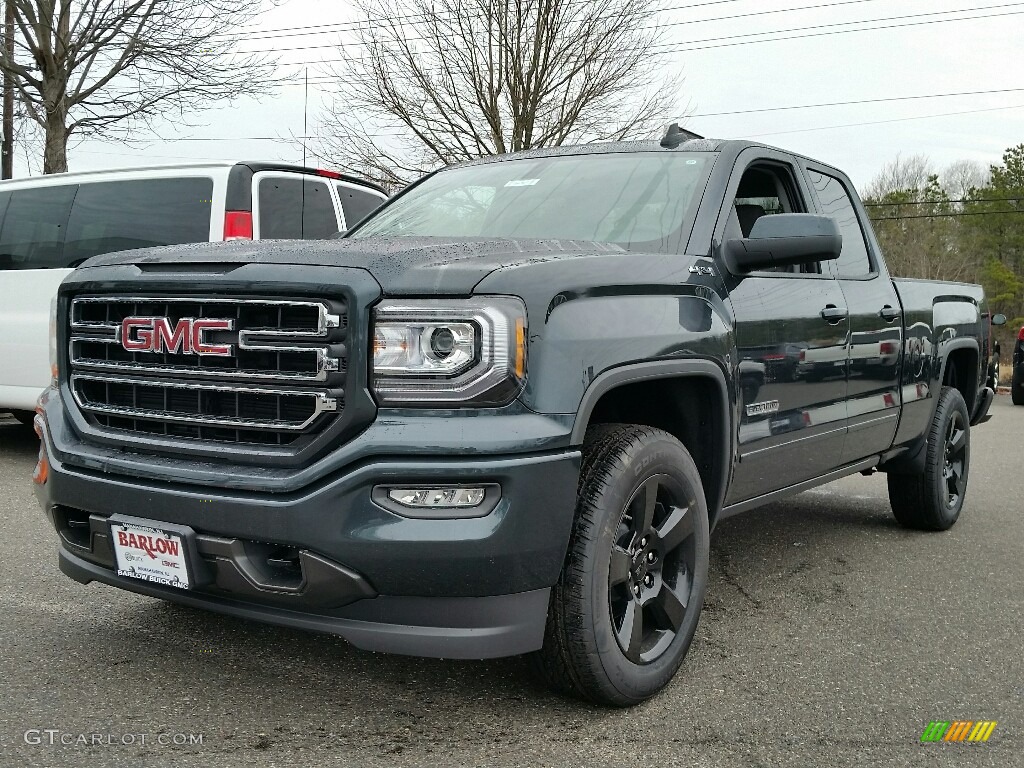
(955, 55)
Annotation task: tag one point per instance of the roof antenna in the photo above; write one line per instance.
(674, 136)
(305, 118)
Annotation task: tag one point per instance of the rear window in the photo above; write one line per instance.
(32, 236)
(122, 215)
(295, 209)
(357, 204)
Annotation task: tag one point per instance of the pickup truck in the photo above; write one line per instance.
(503, 414)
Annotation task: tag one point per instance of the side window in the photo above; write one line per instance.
(835, 202)
(295, 209)
(33, 231)
(122, 215)
(356, 203)
(319, 219)
(765, 190)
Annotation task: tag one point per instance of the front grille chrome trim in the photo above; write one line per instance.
(325, 363)
(325, 320)
(249, 339)
(322, 402)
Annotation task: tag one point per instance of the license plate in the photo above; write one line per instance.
(150, 554)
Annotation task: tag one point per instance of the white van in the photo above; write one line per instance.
(51, 224)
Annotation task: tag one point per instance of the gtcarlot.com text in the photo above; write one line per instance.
(56, 737)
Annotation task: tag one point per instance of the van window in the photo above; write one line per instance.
(122, 215)
(32, 236)
(356, 204)
(295, 209)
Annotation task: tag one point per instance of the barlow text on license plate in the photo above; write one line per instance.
(150, 554)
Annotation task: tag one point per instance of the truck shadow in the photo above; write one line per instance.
(777, 560)
(15, 437)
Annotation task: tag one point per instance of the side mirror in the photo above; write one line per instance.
(785, 239)
(998, 319)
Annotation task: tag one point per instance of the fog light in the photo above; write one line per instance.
(438, 502)
(438, 498)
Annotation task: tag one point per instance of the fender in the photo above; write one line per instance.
(974, 386)
(910, 458)
(662, 369)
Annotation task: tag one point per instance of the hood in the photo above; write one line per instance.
(412, 266)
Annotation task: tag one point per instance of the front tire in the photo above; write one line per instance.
(1017, 388)
(628, 600)
(932, 500)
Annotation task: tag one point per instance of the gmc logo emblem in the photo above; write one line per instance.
(187, 337)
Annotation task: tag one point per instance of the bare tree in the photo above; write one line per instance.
(432, 82)
(107, 67)
(902, 175)
(28, 142)
(962, 176)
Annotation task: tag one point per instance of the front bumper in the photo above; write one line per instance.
(328, 558)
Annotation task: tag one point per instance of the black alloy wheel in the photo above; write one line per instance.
(626, 606)
(931, 500)
(650, 577)
(954, 470)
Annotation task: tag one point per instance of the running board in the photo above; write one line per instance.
(806, 485)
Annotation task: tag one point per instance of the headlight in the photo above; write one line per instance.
(53, 342)
(449, 351)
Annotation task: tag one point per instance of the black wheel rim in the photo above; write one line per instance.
(650, 576)
(954, 470)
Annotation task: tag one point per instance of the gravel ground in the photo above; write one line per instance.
(830, 636)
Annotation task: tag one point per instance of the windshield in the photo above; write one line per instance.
(640, 200)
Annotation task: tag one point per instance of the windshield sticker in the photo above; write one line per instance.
(521, 182)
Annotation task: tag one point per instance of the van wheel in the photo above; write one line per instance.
(932, 500)
(626, 605)
(1017, 388)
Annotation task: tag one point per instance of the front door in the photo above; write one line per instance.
(792, 333)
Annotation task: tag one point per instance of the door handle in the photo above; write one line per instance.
(889, 313)
(833, 315)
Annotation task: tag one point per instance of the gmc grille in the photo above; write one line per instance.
(283, 382)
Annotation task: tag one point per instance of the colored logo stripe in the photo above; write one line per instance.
(958, 730)
(982, 731)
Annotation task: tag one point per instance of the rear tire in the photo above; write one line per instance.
(1017, 388)
(932, 500)
(628, 600)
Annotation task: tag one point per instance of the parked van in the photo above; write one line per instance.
(51, 224)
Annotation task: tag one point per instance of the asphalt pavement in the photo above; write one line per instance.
(830, 636)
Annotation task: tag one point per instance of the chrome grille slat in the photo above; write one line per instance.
(284, 381)
(321, 403)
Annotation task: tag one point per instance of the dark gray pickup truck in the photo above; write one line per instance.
(503, 415)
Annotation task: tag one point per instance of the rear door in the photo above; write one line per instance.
(32, 264)
(125, 214)
(48, 230)
(292, 206)
(875, 349)
(791, 367)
